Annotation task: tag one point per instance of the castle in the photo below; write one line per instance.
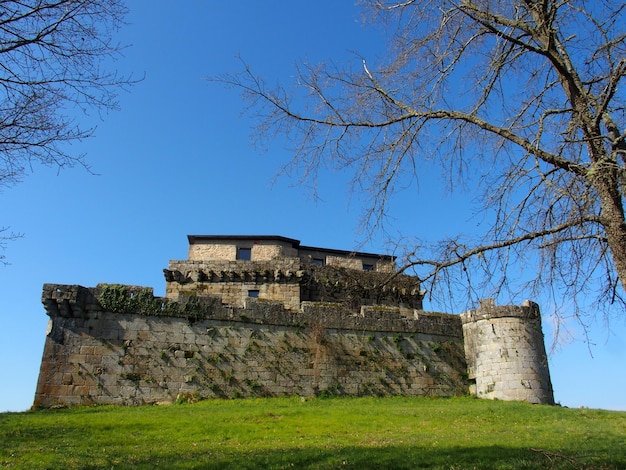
(266, 316)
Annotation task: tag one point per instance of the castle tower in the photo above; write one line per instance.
(236, 268)
(505, 352)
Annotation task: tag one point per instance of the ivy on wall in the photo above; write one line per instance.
(354, 287)
(119, 298)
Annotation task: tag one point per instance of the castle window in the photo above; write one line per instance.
(318, 261)
(244, 254)
(254, 293)
(368, 267)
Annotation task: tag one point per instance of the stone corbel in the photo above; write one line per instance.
(175, 276)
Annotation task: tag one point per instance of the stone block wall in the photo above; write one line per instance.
(289, 281)
(238, 293)
(276, 280)
(139, 349)
(505, 352)
(121, 345)
(227, 251)
(349, 263)
(212, 252)
(263, 252)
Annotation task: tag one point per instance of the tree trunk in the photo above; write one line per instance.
(614, 226)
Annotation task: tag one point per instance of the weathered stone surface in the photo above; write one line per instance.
(307, 330)
(505, 353)
(263, 349)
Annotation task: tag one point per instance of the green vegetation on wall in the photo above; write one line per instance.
(119, 298)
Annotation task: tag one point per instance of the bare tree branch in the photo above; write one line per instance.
(519, 103)
(52, 56)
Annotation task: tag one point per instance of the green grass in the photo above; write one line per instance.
(361, 433)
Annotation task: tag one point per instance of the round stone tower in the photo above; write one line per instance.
(506, 354)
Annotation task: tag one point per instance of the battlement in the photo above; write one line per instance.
(489, 310)
(74, 301)
(279, 269)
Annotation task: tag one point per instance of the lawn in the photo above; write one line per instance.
(394, 433)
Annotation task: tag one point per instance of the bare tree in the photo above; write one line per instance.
(51, 65)
(519, 100)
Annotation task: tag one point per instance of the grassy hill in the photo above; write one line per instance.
(362, 433)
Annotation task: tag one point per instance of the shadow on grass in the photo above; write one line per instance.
(396, 457)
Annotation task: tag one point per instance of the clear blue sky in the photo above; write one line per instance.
(177, 160)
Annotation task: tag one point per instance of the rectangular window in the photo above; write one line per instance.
(254, 293)
(318, 261)
(368, 267)
(244, 254)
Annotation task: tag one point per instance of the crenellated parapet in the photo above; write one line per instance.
(291, 281)
(74, 301)
(185, 272)
(68, 301)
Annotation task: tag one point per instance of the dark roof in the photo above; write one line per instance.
(348, 253)
(200, 238)
(294, 243)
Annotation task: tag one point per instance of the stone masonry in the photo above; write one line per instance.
(505, 353)
(137, 355)
(282, 319)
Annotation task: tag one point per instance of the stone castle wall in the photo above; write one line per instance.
(120, 345)
(216, 252)
(232, 280)
(264, 316)
(260, 251)
(505, 352)
(350, 263)
(289, 281)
